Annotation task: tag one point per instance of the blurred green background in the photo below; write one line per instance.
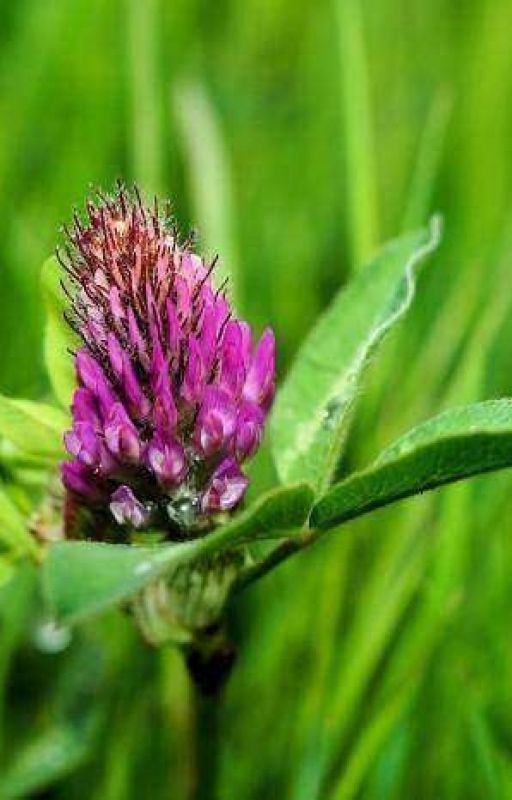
(296, 136)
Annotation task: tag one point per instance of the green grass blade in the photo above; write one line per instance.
(146, 104)
(361, 190)
(426, 169)
(209, 174)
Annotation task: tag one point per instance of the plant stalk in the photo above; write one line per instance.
(209, 661)
(206, 744)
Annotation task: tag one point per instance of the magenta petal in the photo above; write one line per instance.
(83, 407)
(85, 440)
(167, 461)
(232, 368)
(208, 340)
(78, 478)
(154, 319)
(83, 443)
(260, 383)
(226, 487)
(216, 421)
(164, 412)
(249, 431)
(115, 354)
(192, 386)
(127, 510)
(93, 378)
(116, 305)
(246, 343)
(95, 332)
(183, 297)
(121, 365)
(162, 265)
(136, 339)
(100, 279)
(174, 331)
(192, 266)
(121, 435)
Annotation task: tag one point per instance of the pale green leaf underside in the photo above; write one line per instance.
(34, 428)
(312, 407)
(84, 578)
(457, 444)
(59, 338)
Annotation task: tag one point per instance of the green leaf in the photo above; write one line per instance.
(35, 428)
(309, 423)
(14, 534)
(273, 516)
(457, 444)
(59, 338)
(84, 578)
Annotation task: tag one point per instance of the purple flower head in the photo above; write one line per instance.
(172, 394)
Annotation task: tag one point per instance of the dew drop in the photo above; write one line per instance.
(331, 414)
(49, 637)
(183, 511)
(143, 568)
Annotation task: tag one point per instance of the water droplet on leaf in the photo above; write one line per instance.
(143, 568)
(49, 637)
(183, 511)
(331, 413)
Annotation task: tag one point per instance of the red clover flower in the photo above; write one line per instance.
(172, 395)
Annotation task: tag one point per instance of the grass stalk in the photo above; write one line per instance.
(208, 167)
(147, 157)
(358, 130)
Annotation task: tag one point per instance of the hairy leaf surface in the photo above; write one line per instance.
(457, 444)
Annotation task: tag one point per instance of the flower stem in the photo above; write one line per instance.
(286, 548)
(206, 744)
(209, 661)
